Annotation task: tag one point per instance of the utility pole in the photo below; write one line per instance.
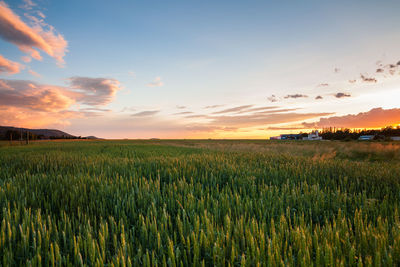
(27, 137)
(10, 138)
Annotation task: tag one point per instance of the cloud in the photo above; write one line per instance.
(95, 91)
(398, 63)
(26, 59)
(213, 106)
(318, 97)
(29, 38)
(257, 109)
(295, 96)
(368, 79)
(379, 70)
(28, 4)
(34, 73)
(180, 107)
(183, 113)
(156, 83)
(336, 70)
(243, 121)
(374, 118)
(341, 95)
(323, 84)
(352, 81)
(8, 66)
(235, 109)
(33, 96)
(197, 116)
(272, 98)
(145, 113)
(285, 128)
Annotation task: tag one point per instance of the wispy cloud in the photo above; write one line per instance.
(180, 107)
(376, 117)
(156, 83)
(296, 96)
(323, 85)
(29, 38)
(145, 113)
(213, 106)
(183, 113)
(235, 109)
(341, 95)
(9, 67)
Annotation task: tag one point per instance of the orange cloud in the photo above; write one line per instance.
(27, 38)
(375, 118)
(33, 96)
(8, 66)
(30, 104)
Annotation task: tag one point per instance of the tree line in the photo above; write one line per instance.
(348, 134)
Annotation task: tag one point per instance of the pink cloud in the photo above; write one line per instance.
(8, 66)
(29, 38)
(374, 118)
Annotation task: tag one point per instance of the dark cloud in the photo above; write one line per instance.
(318, 97)
(235, 109)
(341, 95)
(398, 63)
(296, 96)
(374, 118)
(95, 91)
(368, 79)
(145, 113)
(379, 70)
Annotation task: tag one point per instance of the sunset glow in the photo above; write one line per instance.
(175, 69)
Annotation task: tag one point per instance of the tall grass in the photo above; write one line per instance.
(170, 203)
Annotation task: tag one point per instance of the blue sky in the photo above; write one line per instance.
(197, 54)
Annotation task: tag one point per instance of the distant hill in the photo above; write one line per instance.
(43, 133)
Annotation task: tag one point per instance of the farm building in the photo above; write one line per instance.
(313, 136)
(291, 137)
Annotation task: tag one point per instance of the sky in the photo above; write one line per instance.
(199, 69)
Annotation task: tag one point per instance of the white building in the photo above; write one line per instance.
(313, 136)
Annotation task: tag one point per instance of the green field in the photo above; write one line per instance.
(200, 203)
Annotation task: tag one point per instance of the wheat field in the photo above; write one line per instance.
(199, 203)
